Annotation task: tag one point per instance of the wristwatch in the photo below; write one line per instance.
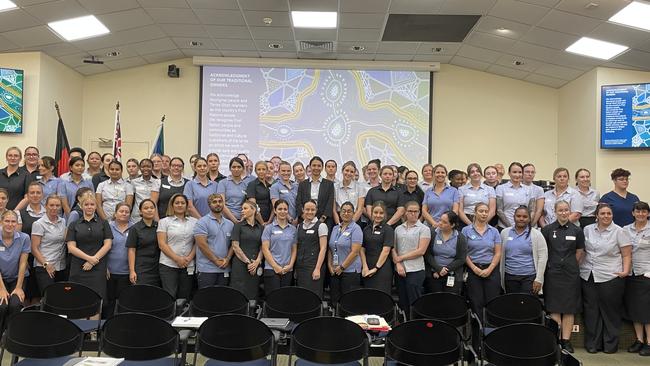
(44, 264)
(377, 268)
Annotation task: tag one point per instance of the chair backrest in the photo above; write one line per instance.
(234, 338)
(146, 299)
(366, 301)
(138, 337)
(444, 306)
(514, 308)
(295, 303)
(424, 342)
(218, 300)
(24, 339)
(569, 360)
(74, 300)
(521, 344)
(329, 340)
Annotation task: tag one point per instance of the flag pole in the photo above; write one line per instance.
(58, 111)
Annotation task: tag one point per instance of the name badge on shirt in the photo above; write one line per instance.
(509, 238)
(510, 194)
(377, 232)
(570, 237)
(284, 191)
(438, 241)
(2, 248)
(644, 241)
(228, 235)
(346, 234)
(165, 186)
(310, 231)
(277, 232)
(243, 191)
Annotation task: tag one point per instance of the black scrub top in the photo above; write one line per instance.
(562, 242)
(16, 185)
(165, 194)
(390, 198)
(375, 238)
(145, 241)
(262, 194)
(249, 238)
(405, 196)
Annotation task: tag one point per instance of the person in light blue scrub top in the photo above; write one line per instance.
(212, 234)
(344, 262)
(439, 198)
(118, 263)
(199, 189)
(279, 245)
(233, 190)
(513, 194)
(285, 189)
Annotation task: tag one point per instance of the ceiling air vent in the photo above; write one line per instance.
(316, 46)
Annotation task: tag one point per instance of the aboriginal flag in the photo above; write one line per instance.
(62, 153)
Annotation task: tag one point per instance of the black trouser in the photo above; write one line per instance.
(43, 279)
(440, 284)
(603, 309)
(148, 278)
(115, 284)
(8, 309)
(519, 284)
(273, 281)
(212, 279)
(480, 290)
(345, 282)
(176, 281)
(409, 289)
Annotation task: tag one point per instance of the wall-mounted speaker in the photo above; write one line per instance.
(173, 71)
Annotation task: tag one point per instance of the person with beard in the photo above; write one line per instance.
(212, 235)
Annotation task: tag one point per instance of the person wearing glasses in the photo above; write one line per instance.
(619, 199)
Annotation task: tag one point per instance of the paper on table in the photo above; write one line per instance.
(188, 322)
(361, 321)
(99, 361)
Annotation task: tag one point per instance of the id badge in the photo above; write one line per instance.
(335, 259)
(451, 280)
(226, 274)
(260, 271)
(190, 271)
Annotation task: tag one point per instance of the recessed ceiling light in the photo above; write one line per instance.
(437, 49)
(314, 19)
(275, 46)
(358, 48)
(7, 5)
(596, 48)
(636, 14)
(518, 62)
(196, 43)
(503, 30)
(113, 54)
(79, 28)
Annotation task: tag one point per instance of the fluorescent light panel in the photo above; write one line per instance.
(79, 28)
(314, 19)
(636, 14)
(586, 46)
(7, 5)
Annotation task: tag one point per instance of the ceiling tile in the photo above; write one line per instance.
(229, 31)
(23, 3)
(527, 63)
(433, 58)
(469, 63)
(393, 57)
(5, 44)
(278, 54)
(306, 34)
(171, 15)
(475, 7)
(558, 71)
(214, 4)
(59, 10)
(546, 3)
(364, 6)
(125, 51)
(235, 44)
(16, 19)
(230, 53)
(346, 47)
(550, 38)
(356, 56)
(621, 66)
(108, 6)
(255, 18)
(140, 34)
(221, 17)
(576, 61)
(163, 3)
(534, 51)
(125, 63)
(619, 34)
(184, 43)
(276, 5)
(263, 45)
(184, 30)
(109, 40)
(157, 57)
(518, 11)
(447, 49)
(408, 48)
(361, 20)
(416, 6)
(545, 80)
(604, 10)
(74, 60)
(284, 33)
(490, 41)
(634, 58)
(515, 30)
(154, 46)
(30, 37)
(89, 69)
(348, 34)
(314, 5)
(508, 72)
(59, 49)
(127, 19)
(477, 53)
(569, 23)
(201, 52)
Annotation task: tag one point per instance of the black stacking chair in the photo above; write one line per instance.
(146, 299)
(217, 300)
(567, 359)
(367, 301)
(444, 306)
(521, 344)
(328, 340)
(77, 302)
(295, 303)
(140, 337)
(235, 338)
(41, 338)
(424, 342)
(513, 308)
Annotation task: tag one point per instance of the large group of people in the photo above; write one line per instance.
(271, 224)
